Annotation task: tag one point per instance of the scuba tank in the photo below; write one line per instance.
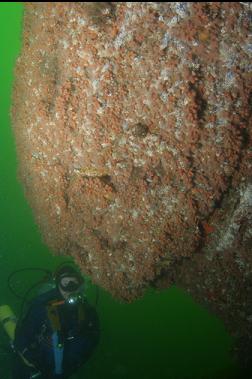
(8, 320)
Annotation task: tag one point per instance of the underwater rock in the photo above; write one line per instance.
(133, 128)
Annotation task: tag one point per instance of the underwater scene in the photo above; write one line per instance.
(123, 162)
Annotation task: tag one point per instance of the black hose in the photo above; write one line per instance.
(48, 273)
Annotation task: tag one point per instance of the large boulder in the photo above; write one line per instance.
(133, 128)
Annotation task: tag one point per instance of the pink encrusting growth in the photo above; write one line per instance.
(128, 129)
(132, 125)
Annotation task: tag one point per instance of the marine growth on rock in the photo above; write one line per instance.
(130, 121)
(133, 132)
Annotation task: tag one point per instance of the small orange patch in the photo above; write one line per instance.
(203, 36)
(208, 228)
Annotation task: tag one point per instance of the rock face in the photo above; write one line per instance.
(133, 128)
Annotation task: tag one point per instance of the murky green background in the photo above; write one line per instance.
(163, 335)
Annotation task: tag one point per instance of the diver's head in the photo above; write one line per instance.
(70, 284)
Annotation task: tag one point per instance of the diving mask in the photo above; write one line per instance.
(71, 285)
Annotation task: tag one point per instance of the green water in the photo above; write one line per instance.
(163, 335)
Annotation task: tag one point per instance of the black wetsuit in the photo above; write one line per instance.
(34, 337)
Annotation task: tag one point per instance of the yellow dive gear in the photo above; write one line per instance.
(8, 320)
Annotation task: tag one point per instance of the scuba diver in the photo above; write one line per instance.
(58, 333)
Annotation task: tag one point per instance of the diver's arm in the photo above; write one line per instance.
(27, 332)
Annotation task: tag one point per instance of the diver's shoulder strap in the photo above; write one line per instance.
(81, 313)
